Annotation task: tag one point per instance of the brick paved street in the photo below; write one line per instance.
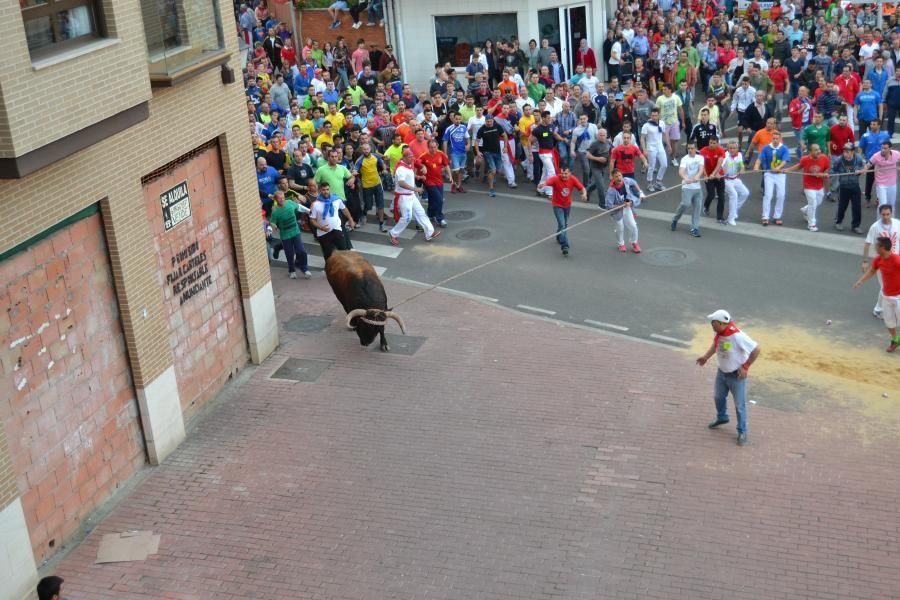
(509, 457)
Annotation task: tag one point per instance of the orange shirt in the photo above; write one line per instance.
(762, 139)
(406, 133)
(508, 87)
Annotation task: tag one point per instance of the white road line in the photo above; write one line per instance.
(542, 311)
(666, 338)
(606, 325)
(385, 250)
(317, 262)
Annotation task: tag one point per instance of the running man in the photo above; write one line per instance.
(671, 112)
(545, 137)
(408, 201)
(456, 147)
(815, 166)
(490, 137)
(885, 227)
(655, 142)
(692, 173)
(735, 190)
(887, 265)
(624, 191)
(773, 159)
(713, 155)
(885, 165)
(561, 187)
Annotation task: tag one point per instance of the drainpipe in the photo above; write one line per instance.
(395, 34)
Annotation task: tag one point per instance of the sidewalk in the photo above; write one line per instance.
(509, 457)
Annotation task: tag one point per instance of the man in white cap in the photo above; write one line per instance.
(735, 353)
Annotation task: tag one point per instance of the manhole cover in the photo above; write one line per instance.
(474, 234)
(302, 369)
(459, 215)
(667, 257)
(404, 345)
(308, 323)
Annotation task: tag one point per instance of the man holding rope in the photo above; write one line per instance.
(815, 166)
(624, 192)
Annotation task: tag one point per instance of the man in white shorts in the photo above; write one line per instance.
(885, 227)
(654, 141)
(408, 200)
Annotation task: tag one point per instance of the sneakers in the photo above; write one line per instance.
(442, 222)
(695, 233)
(813, 228)
(838, 226)
(436, 233)
(779, 222)
(674, 225)
(452, 188)
(460, 189)
(731, 223)
(395, 241)
(636, 248)
(717, 422)
(857, 230)
(894, 345)
(622, 248)
(334, 25)
(877, 313)
(357, 25)
(292, 275)
(512, 185)
(307, 275)
(705, 212)
(565, 250)
(382, 228)
(492, 193)
(363, 220)
(674, 162)
(765, 222)
(742, 439)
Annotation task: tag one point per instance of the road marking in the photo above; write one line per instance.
(606, 325)
(317, 262)
(542, 311)
(469, 295)
(665, 338)
(365, 247)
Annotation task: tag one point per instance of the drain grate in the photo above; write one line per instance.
(308, 323)
(668, 257)
(306, 370)
(404, 345)
(459, 215)
(473, 234)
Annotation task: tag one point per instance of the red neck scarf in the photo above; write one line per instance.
(730, 329)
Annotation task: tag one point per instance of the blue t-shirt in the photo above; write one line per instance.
(770, 155)
(267, 181)
(456, 136)
(868, 105)
(870, 143)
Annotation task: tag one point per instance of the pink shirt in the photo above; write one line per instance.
(358, 57)
(885, 168)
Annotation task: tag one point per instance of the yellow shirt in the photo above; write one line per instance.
(337, 121)
(525, 124)
(324, 138)
(306, 127)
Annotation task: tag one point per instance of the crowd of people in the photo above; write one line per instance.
(336, 126)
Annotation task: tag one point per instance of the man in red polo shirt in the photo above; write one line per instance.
(713, 154)
(434, 164)
(562, 186)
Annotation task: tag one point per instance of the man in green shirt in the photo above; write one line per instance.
(284, 218)
(693, 55)
(817, 133)
(355, 91)
(536, 90)
(395, 152)
(335, 175)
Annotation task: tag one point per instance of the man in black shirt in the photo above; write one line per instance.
(794, 66)
(703, 130)
(545, 137)
(368, 81)
(299, 173)
(488, 148)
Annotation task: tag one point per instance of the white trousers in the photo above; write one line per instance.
(887, 194)
(774, 184)
(507, 165)
(548, 171)
(626, 222)
(879, 299)
(411, 208)
(737, 193)
(656, 157)
(850, 112)
(813, 200)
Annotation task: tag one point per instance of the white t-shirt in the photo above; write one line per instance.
(589, 85)
(654, 134)
(867, 50)
(733, 351)
(692, 166)
(317, 212)
(616, 50)
(406, 175)
(475, 124)
(892, 232)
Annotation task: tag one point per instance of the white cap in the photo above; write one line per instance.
(720, 315)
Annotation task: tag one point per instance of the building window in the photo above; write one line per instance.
(50, 24)
(182, 36)
(458, 34)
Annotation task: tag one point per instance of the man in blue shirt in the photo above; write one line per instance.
(878, 76)
(456, 146)
(266, 181)
(868, 104)
(773, 160)
(870, 145)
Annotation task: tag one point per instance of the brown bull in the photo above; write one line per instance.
(360, 291)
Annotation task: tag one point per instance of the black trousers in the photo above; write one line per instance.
(716, 187)
(870, 181)
(331, 241)
(356, 10)
(853, 197)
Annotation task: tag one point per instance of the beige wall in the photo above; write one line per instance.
(70, 89)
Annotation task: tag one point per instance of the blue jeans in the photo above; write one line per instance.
(435, 194)
(729, 382)
(562, 221)
(562, 148)
(295, 253)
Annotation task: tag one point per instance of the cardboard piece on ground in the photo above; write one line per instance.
(127, 546)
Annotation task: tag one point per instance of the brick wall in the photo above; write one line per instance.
(314, 24)
(71, 419)
(207, 329)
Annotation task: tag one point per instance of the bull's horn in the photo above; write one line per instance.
(392, 315)
(358, 312)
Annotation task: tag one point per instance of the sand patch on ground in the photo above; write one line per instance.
(855, 377)
(437, 250)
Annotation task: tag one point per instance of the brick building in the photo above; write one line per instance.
(133, 275)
